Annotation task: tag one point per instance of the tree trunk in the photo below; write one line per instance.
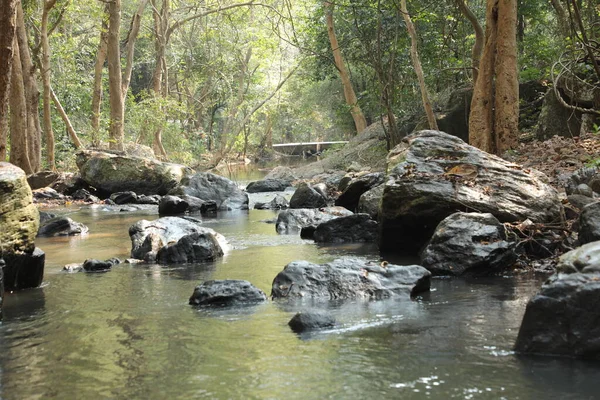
(359, 119)
(562, 18)
(417, 64)
(493, 122)
(7, 34)
(98, 67)
(479, 37)
(32, 95)
(117, 107)
(48, 5)
(19, 153)
(130, 47)
(66, 120)
(158, 86)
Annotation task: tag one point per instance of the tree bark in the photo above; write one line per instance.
(493, 122)
(562, 18)
(7, 34)
(66, 120)
(98, 67)
(359, 119)
(48, 5)
(19, 153)
(414, 54)
(130, 47)
(117, 107)
(32, 94)
(479, 37)
(160, 68)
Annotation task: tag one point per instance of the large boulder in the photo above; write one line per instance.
(226, 293)
(564, 317)
(433, 175)
(349, 278)
(195, 247)
(556, 119)
(292, 221)
(62, 226)
(306, 196)
(119, 173)
(589, 223)
(268, 185)
(350, 197)
(370, 202)
(19, 217)
(42, 179)
(210, 187)
(468, 243)
(148, 238)
(349, 229)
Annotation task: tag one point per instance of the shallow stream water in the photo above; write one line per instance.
(130, 333)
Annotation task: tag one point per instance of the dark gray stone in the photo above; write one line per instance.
(584, 259)
(310, 321)
(24, 270)
(293, 221)
(42, 179)
(61, 226)
(211, 187)
(370, 202)
(278, 203)
(124, 198)
(589, 176)
(195, 247)
(468, 243)
(172, 205)
(46, 216)
(97, 265)
(589, 223)
(268, 185)
(580, 201)
(349, 278)
(349, 229)
(433, 175)
(226, 293)
(306, 196)
(350, 197)
(46, 193)
(152, 199)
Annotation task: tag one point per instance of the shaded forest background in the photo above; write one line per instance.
(208, 80)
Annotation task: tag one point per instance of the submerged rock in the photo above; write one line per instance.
(226, 293)
(62, 226)
(468, 243)
(97, 265)
(293, 221)
(349, 278)
(310, 321)
(433, 175)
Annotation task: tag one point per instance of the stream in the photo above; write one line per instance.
(130, 333)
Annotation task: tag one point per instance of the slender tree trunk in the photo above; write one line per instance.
(479, 37)
(7, 34)
(98, 67)
(130, 47)
(32, 95)
(160, 32)
(66, 120)
(494, 118)
(561, 17)
(359, 119)
(19, 153)
(414, 54)
(117, 107)
(48, 5)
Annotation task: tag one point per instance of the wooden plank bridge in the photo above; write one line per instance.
(305, 148)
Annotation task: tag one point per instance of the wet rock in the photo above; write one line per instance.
(349, 278)
(24, 270)
(210, 187)
(97, 265)
(433, 175)
(124, 197)
(62, 226)
(306, 196)
(118, 173)
(370, 202)
(172, 205)
(268, 185)
(19, 217)
(468, 243)
(195, 247)
(310, 321)
(350, 197)
(589, 223)
(226, 293)
(46, 216)
(349, 229)
(294, 220)
(278, 203)
(562, 319)
(149, 237)
(196, 205)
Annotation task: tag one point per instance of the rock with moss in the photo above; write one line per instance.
(113, 173)
(19, 217)
(433, 175)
